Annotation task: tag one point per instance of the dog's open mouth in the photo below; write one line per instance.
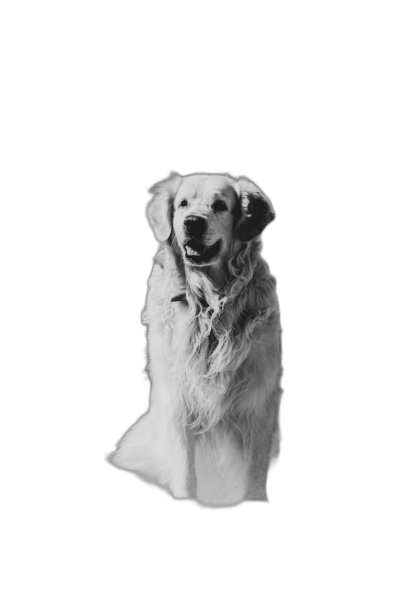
(197, 253)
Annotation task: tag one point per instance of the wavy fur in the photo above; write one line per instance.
(214, 363)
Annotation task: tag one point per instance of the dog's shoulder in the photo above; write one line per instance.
(163, 286)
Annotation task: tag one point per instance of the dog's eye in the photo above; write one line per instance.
(219, 205)
(184, 203)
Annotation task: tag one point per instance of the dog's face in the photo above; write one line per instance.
(206, 213)
(203, 218)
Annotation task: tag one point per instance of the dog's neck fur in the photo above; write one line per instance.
(212, 281)
(211, 352)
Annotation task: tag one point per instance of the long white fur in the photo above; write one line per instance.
(214, 361)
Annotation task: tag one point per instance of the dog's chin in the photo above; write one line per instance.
(197, 254)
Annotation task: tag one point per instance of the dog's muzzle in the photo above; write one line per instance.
(196, 252)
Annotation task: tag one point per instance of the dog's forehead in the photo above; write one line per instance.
(204, 187)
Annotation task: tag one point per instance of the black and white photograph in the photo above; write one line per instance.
(201, 315)
(203, 288)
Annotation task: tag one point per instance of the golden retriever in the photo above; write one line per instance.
(214, 353)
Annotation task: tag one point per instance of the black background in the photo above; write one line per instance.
(117, 149)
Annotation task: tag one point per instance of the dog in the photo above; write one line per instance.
(214, 344)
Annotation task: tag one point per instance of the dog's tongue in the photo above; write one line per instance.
(195, 248)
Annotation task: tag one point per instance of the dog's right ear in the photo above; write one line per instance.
(256, 210)
(159, 210)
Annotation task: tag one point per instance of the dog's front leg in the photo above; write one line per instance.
(183, 481)
(258, 443)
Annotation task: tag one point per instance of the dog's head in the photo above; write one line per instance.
(207, 213)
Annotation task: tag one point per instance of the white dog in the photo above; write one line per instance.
(213, 344)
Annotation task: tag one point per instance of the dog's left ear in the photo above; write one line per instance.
(159, 210)
(256, 210)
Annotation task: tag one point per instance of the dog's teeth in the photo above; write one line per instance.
(191, 251)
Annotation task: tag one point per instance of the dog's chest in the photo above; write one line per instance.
(185, 330)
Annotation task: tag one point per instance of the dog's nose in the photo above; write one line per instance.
(195, 226)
